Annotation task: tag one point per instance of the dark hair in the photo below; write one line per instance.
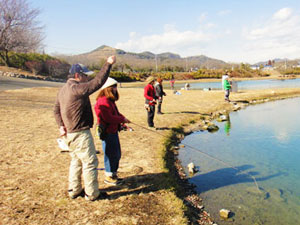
(108, 93)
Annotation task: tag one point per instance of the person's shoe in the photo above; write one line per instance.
(113, 181)
(72, 196)
(159, 113)
(152, 128)
(120, 180)
(102, 195)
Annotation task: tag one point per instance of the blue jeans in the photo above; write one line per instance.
(112, 153)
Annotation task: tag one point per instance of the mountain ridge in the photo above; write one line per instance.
(146, 59)
(149, 61)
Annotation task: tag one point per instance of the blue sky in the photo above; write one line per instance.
(233, 30)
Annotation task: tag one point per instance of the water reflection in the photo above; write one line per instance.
(242, 85)
(227, 125)
(228, 176)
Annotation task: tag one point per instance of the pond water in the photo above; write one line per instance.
(242, 85)
(249, 84)
(261, 141)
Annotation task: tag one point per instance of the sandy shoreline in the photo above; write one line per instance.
(34, 172)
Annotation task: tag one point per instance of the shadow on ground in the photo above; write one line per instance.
(138, 184)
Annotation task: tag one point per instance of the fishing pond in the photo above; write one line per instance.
(241, 85)
(245, 85)
(256, 170)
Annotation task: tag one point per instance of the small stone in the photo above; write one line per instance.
(191, 167)
(212, 128)
(222, 118)
(224, 213)
(236, 108)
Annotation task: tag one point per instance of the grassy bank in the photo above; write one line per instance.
(34, 173)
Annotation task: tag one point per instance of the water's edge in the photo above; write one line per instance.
(194, 204)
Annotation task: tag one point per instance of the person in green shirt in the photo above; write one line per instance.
(227, 87)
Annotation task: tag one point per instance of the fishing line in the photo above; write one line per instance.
(207, 155)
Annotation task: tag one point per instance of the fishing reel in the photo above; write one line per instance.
(125, 127)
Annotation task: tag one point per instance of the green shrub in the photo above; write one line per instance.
(18, 60)
(121, 76)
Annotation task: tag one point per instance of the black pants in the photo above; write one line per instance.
(227, 93)
(159, 108)
(150, 114)
(159, 104)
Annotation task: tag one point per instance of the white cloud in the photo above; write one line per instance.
(227, 31)
(202, 17)
(224, 12)
(132, 34)
(203, 24)
(283, 13)
(185, 43)
(210, 25)
(277, 37)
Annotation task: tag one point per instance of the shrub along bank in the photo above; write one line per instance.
(48, 66)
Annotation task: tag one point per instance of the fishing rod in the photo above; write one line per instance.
(207, 155)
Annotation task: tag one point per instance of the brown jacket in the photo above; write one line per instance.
(73, 107)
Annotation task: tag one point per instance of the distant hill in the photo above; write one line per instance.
(277, 60)
(146, 60)
(281, 63)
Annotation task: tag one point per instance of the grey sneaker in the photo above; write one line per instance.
(102, 195)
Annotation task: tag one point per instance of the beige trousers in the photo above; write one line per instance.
(83, 162)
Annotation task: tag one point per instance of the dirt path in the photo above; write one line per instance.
(34, 173)
(11, 83)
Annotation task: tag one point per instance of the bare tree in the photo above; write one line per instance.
(19, 29)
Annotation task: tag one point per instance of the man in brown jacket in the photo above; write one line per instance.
(74, 116)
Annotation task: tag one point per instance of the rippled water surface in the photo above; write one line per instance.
(261, 141)
(242, 85)
(251, 84)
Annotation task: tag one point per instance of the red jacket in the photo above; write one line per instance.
(108, 114)
(149, 94)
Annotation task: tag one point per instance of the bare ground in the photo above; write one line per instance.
(34, 172)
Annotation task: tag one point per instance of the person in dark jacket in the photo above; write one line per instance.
(159, 91)
(150, 100)
(73, 114)
(111, 120)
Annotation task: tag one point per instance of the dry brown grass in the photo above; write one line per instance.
(34, 173)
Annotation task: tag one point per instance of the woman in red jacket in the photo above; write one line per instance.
(109, 122)
(150, 100)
